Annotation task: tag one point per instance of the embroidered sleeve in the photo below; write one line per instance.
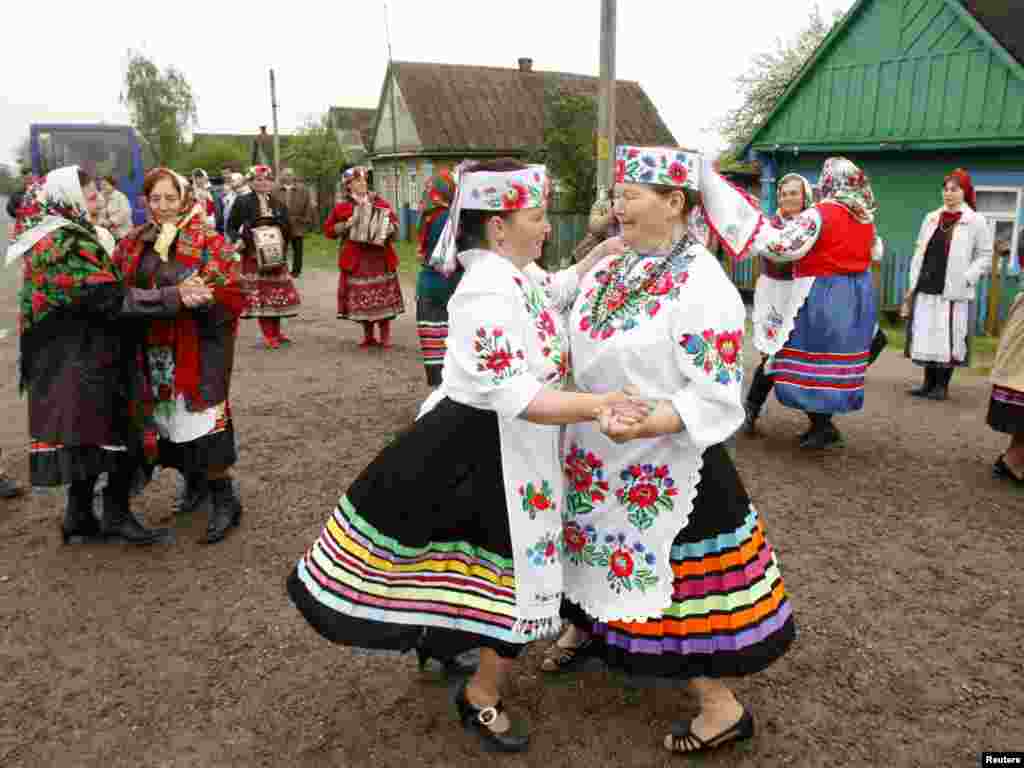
(486, 361)
(561, 287)
(708, 337)
(793, 241)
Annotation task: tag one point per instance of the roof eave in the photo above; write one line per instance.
(896, 145)
(808, 66)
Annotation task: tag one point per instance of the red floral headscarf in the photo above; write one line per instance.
(963, 180)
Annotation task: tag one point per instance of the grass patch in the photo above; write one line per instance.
(321, 253)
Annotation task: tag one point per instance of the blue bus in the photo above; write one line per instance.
(99, 149)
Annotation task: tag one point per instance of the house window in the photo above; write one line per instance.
(1001, 207)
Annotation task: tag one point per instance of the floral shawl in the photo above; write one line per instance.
(844, 183)
(437, 196)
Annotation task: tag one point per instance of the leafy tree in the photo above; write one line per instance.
(316, 155)
(570, 125)
(767, 78)
(8, 183)
(161, 105)
(212, 155)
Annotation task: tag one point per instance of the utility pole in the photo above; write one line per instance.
(606, 99)
(394, 117)
(277, 141)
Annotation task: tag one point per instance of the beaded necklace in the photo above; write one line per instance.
(619, 283)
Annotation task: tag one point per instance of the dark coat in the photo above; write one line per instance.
(246, 212)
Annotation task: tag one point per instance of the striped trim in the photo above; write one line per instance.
(40, 446)
(728, 595)
(820, 370)
(355, 570)
(433, 341)
(1008, 396)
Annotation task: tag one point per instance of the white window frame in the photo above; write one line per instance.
(1013, 217)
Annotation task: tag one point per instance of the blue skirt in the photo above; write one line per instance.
(821, 368)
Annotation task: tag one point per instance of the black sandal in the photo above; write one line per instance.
(1001, 470)
(564, 659)
(479, 721)
(686, 742)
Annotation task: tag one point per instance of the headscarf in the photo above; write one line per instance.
(61, 203)
(356, 171)
(58, 268)
(963, 180)
(189, 209)
(437, 197)
(844, 183)
(807, 189)
(497, 191)
(263, 172)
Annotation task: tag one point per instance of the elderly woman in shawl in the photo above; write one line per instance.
(78, 356)
(820, 367)
(433, 287)
(777, 298)
(188, 359)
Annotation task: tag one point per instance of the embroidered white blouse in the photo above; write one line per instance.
(506, 342)
(679, 338)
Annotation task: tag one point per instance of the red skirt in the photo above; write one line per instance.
(268, 294)
(370, 292)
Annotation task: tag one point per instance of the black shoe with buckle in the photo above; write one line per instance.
(480, 720)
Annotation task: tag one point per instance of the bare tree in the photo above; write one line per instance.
(768, 77)
(161, 104)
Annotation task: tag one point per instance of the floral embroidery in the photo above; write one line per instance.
(161, 376)
(798, 235)
(772, 324)
(646, 492)
(625, 303)
(513, 192)
(588, 486)
(630, 565)
(718, 354)
(496, 355)
(545, 551)
(656, 165)
(536, 499)
(553, 346)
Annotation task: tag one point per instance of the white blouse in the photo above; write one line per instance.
(675, 335)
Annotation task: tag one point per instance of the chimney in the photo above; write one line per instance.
(525, 65)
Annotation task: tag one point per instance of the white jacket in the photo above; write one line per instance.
(970, 253)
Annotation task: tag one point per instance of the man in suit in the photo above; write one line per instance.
(298, 201)
(220, 193)
(263, 148)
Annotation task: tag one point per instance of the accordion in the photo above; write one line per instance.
(369, 225)
(268, 242)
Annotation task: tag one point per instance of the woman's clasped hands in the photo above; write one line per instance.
(626, 416)
(195, 292)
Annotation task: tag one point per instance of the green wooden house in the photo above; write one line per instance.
(909, 90)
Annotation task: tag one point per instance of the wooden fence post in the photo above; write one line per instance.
(995, 284)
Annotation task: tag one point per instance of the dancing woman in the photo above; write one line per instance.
(449, 539)
(188, 360)
(668, 570)
(78, 352)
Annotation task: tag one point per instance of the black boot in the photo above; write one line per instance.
(929, 383)
(189, 494)
(941, 389)
(226, 510)
(80, 521)
(118, 520)
(823, 434)
(760, 388)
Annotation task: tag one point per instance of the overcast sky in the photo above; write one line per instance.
(66, 63)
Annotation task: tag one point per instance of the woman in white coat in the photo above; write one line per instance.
(953, 252)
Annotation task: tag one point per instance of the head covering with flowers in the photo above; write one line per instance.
(190, 209)
(356, 171)
(62, 249)
(260, 172)
(665, 166)
(963, 180)
(497, 191)
(844, 183)
(438, 194)
(59, 203)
